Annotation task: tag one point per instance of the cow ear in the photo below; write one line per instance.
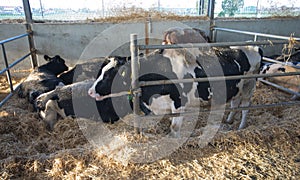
(58, 57)
(123, 71)
(47, 58)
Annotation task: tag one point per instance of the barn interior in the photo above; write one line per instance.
(268, 148)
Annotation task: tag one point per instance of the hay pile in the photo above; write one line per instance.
(268, 148)
(121, 15)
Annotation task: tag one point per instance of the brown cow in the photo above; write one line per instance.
(184, 35)
(290, 82)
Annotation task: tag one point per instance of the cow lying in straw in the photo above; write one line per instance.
(290, 82)
(43, 78)
(73, 100)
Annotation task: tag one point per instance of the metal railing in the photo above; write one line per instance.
(134, 48)
(255, 34)
(32, 53)
(9, 66)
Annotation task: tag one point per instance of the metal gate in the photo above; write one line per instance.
(32, 51)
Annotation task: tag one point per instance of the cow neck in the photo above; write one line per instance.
(129, 94)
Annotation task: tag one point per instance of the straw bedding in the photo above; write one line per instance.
(268, 148)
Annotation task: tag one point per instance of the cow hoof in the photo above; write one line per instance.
(229, 121)
(242, 126)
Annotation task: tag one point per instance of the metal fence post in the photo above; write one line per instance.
(7, 71)
(213, 35)
(211, 15)
(134, 80)
(28, 24)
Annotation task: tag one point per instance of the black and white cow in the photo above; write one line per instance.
(43, 78)
(180, 64)
(82, 71)
(72, 99)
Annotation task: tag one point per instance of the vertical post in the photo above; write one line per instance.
(257, 4)
(255, 38)
(158, 5)
(28, 25)
(200, 7)
(214, 35)
(41, 6)
(148, 30)
(134, 80)
(7, 67)
(210, 14)
(102, 3)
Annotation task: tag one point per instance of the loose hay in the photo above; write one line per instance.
(267, 149)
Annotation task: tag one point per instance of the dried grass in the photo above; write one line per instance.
(267, 149)
(140, 15)
(123, 15)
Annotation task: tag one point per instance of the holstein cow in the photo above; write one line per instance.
(184, 35)
(291, 82)
(43, 78)
(179, 64)
(82, 71)
(72, 99)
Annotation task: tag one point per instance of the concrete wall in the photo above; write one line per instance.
(78, 42)
(85, 41)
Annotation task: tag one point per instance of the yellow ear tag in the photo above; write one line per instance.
(123, 73)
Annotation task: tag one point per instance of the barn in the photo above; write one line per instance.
(82, 147)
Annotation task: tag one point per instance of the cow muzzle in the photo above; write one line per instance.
(94, 95)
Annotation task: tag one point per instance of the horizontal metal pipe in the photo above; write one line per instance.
(279, 62)
(19, 60)
(280, 87)
(217, 78)
(202, 45)
(15, 63)
(6, 99)
(260, 106)
(13, 38)
(9, 96)
(254, 33)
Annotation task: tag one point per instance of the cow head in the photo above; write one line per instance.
(114, 71)
(272, 68)
(55, 65)
(177, 35)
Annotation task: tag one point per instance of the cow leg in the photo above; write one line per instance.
(248, 90)
(176, 123)
(234, 103)
(56, 108)
(49, 115)
(244, 114)
(295, 97)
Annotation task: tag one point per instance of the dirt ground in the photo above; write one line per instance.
(269, 148)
